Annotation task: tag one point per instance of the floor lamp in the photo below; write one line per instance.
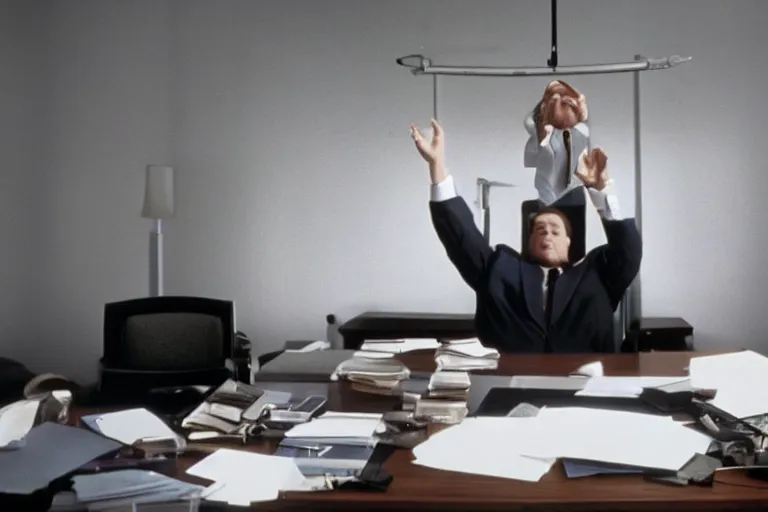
(158, 205)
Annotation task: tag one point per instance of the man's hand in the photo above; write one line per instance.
(561, 107)
(592, 169)
(432, 152)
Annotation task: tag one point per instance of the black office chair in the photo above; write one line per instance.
(165, 343)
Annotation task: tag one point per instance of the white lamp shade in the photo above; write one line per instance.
(158, 193)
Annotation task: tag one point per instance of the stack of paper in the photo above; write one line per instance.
(468, 354)
(445, 400)
(740, 378)
(399, 346)
(379, 376)
(242, 478)
(102, 491)
(448, 384)
(355, 428)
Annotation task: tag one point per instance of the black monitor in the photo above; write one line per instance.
(158, 342)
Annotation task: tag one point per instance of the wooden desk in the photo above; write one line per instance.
(420, 488)
(377, 325)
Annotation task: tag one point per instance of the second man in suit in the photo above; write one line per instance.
(542, 303)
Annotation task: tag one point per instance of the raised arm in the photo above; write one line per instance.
(451, 217)
(618, 262)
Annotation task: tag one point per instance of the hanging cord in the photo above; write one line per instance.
(552, 61)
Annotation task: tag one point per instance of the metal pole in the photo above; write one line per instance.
(420, 65)
(635, 304)
(630, 309)
(434, 97)
(156, 260)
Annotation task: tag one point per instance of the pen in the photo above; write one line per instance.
(314, 448)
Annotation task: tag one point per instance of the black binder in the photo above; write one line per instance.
(499, 401)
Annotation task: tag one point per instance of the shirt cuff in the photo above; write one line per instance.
(444, 190)
(606, 203)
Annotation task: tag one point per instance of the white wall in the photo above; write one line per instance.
(22, 133)
(299, 192)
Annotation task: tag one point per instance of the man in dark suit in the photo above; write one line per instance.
(543, 303)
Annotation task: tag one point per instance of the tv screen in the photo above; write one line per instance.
(169, 341)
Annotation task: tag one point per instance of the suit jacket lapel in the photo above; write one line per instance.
(564, 289)
(533, 284)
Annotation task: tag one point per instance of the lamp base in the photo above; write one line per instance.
(156, 260)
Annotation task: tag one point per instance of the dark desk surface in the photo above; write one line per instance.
(421, 488)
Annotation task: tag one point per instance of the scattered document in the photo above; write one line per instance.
(127, 487)
(242, 478)
(130, 426)
(547, 382)
(593, 369)
(400, 346)
(16, 420)
(524, 448)
(624, 386)
(50, 451)
(740, 378)
(485, 446)
(615, 437)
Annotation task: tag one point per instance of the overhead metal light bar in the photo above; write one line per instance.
(421, 65)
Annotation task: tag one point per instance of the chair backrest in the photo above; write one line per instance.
(576, 214)
(168, 334)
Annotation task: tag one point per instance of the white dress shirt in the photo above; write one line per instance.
(605, 201)
(544, 287)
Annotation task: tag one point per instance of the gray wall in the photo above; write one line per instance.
(298, 190)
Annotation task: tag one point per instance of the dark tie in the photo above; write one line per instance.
(567, 141)
(552, 276)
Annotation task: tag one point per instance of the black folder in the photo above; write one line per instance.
(499, 401)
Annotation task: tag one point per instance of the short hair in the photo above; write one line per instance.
(553, 211)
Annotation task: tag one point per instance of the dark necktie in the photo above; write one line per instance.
(552, 276)
(568, 163)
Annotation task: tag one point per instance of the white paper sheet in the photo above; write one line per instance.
(624, 386)
(132, 425)
(400, 346)
(740, 378)
(337, 426)
(617, 437)
(484, 446)
(243, 477)
(16, 420)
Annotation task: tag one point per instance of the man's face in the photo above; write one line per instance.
(549, 242)
(561, 107)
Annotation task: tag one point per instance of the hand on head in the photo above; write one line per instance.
(433, 152)
(562, 106)
(593, 169)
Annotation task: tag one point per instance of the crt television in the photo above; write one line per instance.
(167, 341)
